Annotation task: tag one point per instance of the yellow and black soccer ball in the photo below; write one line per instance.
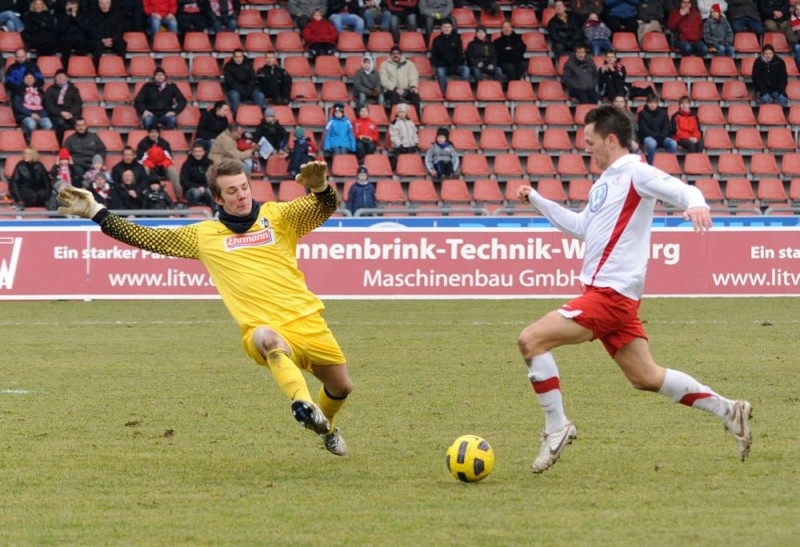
(470, 458)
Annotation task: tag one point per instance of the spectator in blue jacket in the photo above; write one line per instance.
(16, 72)
(620, 15)
(362, 193)
(339, 136)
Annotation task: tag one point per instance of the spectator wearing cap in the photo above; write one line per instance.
(272, 130)
(434, 12)
(161, 14)
(687, 27)
(718, 34)
(400, 80)
(705, 7)
(212, 122)
(320, 36)
(64, 171)
(366, 132)
(564, 30)
(403, 135)
(744, 16)
(511, 52)
(63, 103)
(770, 77)
(362, 192)
(240, 82)
(404, 12)
(275, 83)
(441, 159)
(367, 82)
(339, 136)
(447, 56)
(303, 151)
(159, 101)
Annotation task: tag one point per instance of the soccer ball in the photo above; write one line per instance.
(470, 458)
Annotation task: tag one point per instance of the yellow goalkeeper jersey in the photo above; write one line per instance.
(256, 272)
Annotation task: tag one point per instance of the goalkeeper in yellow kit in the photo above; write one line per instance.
(250, 254)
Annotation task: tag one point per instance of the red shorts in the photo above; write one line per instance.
(611, 317)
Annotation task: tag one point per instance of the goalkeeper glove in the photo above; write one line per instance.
(313, 175)
(78, 202)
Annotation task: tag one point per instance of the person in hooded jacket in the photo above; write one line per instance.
(339, 136)
(441, 159)
(367, 83)
(366, 132)
(362, 193)
(64, 171)
(770, 77)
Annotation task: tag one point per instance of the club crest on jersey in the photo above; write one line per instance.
(598, 197)
(263, 222)
(249, 239)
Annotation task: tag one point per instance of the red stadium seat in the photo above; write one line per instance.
(299, 67)
(141, 67)
(81, 66)
(705, 92)
(311, 115)
(488, 91)
(763, 165)
(10, 41)
(551, 91)
(474, 166)
(467, 115)
(525, 140)
(723, 67)
(780, 138)
(389, 191)
(496, 115)
(770, 115)
(258, 42)
(571, 165)
(288, 42)
(717, 140)
(668, 163)
(493, 141)
(209, 91)
(464, 17)
(326, 67)
(458, 91)
(771, 190)
(95, 116)
(524, 18)
(463, 140)
(277, 167)
(378, 165)
(350, 43)
(540, 165)
(558, 115)
(520, 91)
(741, 115)
(422, 192)
(746, 42)
(655, 43)
(454, 192)
(175, 66)
(109, 67)
(380, 41)
(12, 141)
(731, 165)
(748, 140)
(527, 115)
(735, 91)
(279, 18)
(625, 42)
(710, 189)
(534, 42)
(136, 43)
(697, 165)
(412, 42)
(430, 92)
(578, 192)
(249, 19)
(556, 140)
(289, 190)
(262, 191)
(205, 66)
(435, 115)
(710, 115)
(552, 189)
(123, 116)
(117, 92)
(304, 92)
(410, 165)
(487, 191)
(166, 42)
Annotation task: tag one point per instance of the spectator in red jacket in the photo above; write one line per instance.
(687, 27)
(686, 127)
(366, 131)
(320, 35)
(161, 13)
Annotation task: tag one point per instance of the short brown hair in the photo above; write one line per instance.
(607, 120)
(225, 168)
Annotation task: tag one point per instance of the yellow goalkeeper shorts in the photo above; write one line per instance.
(310, 339)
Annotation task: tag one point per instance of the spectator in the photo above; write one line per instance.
(73, 31)
(161, 14)
(339, 137)
(482, 58)
(775, 15)
(564, 30)
(240, 82)
(654, 129)
(155, 197)
(717, 33)
(620, 102)
(366, 133)
(29, 108)
(100, 187)
(705, 6)
(129, 163)
(107, 28)
(441, 159)
(193, 178)
(583, 8)
(29, 184)
(434, 12)
(597, 34)
(64, 171)
(83, 145)
(272, 130)
(743, 15)
(128, 192)
(403, 135)
(367, 83)
(580, 77)
(40, 32)
(320, 36)
(770, 77)
(303, 151)
(193, 16)
(793, 33)
(651, 16)
(400, 80)
(345, 14)
(155, 154)
(9, 15)
(159, 101)
(98, 169)
(362, 192)
(447, 56)
(302, 10)
(273, 81)
(686, 127)
(212, 122)
(225, 147)
(372, 11)
(620, 15)
(132, 14)
(63, 104)
(687, 26)
(403, 12)
(15, 72)
(611, 77)
(511, 53)
(223, 15)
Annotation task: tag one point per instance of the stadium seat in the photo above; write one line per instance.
(460, 91)
(44, 141)
(527, 115)
(10, 41)
(474, 166)
(793, 90)
(525, 140)
(662, 69)
(740, 116)
(790, 164)
(463, 140)
(763, 165)
(430, 92)
(422, 193)
(288, 42)
(350, 43)
(488, 91)
(771, 191)
(423, 64)
(668, 163)
(571, 166)
(88, 92)
(116, 93)
(578, 192)
(249, 19)
(412, 42)
(735, 91)
(277, 167)
(508, 165)
(559, 115)
(304, 92)
(311, 115)
(552, 189)
(258, 42)
(746, 43)
(123, 116)
(710, 189)
(540, 165)
(731, 165)
(378, 165)
(625, 43)
(165, 43)
(380, 41)
(410, 165)
(547, 14)
(491, 20)
(510, 193)
(176, 140)
(175, 66)
(81, 67)
(109, 67)
(777, 40)
(464, 17)
(723, 67)
(96, 116)
(141, 67)
(493, 141)
(673, 90)
(389, 191)
(262, 191)
(655, 43)
(344, 165)
(279, 18)
(524, 19)
(535, 43)
(520, 91)
(334, 91)
(299, 67)
(454, 192)
(426, 136)
(555, 140)
(710, 115)
(136, 44)
(467, 115)
(748, 140)
(486, 193)
(249, 115)
(779, 139)
(495, 114)
(205, 66)
(692, 68)
(697, 165)
(717, 140)
(705, 92)
(208, 92)
(326, 67)
(289, 190)
(7, 118)
(12, 141)
(111, 139)
(770, 115)
(634, 67)
(435, 115)
(541, 68)
(739, 193)
(551, 91)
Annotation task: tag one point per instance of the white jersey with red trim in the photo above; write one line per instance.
(616, 223)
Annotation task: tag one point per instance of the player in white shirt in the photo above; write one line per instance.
(615, 226)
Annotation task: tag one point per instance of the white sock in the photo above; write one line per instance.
(543, 374)
(682, 388)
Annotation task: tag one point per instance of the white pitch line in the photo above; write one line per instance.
(15, 391)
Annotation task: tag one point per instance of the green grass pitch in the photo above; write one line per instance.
(143, 423)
